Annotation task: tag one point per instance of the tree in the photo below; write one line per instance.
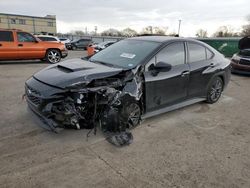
(128, 32)
(111, 32)
(159, 30)
(201, 33)
(154, 30)
(225, 31)
(147, 30)
(246, 28)
(78, 33)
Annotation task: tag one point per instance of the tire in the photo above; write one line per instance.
(53, 56)
(74, 48)
(215, 89)
(130, 115)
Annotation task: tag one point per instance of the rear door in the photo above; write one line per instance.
(200, 60)
(8, 47)
(29, 47)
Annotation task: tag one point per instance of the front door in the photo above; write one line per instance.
(167, 88)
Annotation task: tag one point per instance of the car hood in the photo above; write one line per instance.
(74, 71)
(244, 43)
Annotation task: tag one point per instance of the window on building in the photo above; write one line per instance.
(22, 21)
(50, 24)
(6, 36)
(13, 21)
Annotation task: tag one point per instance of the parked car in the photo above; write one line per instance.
(133, 79)
(240, 62)
(80, 44)
(102, 45)
(20, 45)
(66, 42)
(48, 38)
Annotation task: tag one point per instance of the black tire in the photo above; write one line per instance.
(53, 56)
(130, 115)
(214, 91)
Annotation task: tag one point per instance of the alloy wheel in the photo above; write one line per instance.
(54, 56)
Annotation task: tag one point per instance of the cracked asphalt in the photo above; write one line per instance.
(197, 146)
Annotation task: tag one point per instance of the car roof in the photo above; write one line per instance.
(162, 39)
(46, 36)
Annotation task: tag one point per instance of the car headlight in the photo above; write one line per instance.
(236, 57)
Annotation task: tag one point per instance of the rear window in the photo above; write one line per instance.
(6, 36)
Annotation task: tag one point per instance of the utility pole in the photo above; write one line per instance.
(179, 28)
(95, 30)
(86, 31)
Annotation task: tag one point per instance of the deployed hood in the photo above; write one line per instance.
(74, 71)
(244, 43)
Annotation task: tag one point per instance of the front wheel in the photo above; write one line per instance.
(131, 115)
(214, 90)
(53, 56)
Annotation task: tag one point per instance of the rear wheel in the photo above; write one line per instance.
(53, 56)
(214, 90)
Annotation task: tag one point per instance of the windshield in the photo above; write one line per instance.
(126, 53)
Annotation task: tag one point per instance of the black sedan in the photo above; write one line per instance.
(133, 79)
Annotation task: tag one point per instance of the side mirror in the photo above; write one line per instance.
(159, 67)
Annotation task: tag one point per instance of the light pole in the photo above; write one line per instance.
(179, 28)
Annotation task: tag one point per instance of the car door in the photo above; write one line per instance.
(200, 59)
(167, 88)
(29, 47)
(8, 47)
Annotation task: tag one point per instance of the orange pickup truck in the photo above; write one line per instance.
(20, 45)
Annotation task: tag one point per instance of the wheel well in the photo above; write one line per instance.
(222, 78)
(53, 49)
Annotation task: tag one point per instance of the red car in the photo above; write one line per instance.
(240, 62)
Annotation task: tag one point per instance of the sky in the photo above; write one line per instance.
(136, 14)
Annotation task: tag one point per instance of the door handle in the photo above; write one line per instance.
(1, 45)
(184, 73)
(20, 44)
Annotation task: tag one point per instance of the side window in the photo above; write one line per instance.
(6, 36)
(25, 37)
(209, 54)
(196, 52)
(173, 54)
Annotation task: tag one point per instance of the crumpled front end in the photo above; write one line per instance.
(85, 104)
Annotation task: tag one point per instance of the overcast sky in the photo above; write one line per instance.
(136, 14)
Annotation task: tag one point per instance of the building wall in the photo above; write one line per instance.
(28, 23)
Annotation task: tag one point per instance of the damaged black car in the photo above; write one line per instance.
(131, 80)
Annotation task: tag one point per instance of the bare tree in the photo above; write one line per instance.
(201, 33)
(128, 32)
(159, 30)
(225, 31)
(154, 30)
(111, 32)
(246, 28)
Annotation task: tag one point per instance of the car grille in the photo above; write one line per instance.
(33, 96)
(245, 62)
